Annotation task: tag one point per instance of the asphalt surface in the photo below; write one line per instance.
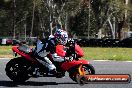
(107, 67)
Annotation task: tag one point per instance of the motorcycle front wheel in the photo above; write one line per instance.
(16, 70)
(88, 68)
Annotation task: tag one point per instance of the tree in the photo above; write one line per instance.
(81, 17)
(108, 13)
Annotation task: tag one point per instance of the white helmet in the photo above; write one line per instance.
(61, 36)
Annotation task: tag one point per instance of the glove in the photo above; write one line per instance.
(68, 58)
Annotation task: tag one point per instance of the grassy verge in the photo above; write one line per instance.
(119, 54)
(6, 52)
(91, 53)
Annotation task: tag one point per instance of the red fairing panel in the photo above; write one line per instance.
(67, 65)
(79, 50)
(60, 50)
(15, 49)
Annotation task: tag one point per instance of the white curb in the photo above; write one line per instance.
(109, 60)
(101, 60)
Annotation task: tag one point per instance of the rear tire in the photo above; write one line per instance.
(16, 69)
(74, 72)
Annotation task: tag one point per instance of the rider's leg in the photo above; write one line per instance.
(46, 62)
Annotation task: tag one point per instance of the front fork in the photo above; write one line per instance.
(80, 77)
(81, 70)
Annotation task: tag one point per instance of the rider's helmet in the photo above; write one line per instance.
(61, 36)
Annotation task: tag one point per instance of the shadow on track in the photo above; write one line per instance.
(28, 83)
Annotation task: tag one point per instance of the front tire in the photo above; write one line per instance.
(89, 69)
(16, 69)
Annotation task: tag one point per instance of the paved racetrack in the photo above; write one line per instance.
(107, 67)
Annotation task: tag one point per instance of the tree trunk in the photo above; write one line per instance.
(112, 27)
(14, 18)
(31, 33)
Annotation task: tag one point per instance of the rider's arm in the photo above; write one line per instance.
(57, 58)
(53, 52)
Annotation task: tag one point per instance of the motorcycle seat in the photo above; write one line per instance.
(24, 48)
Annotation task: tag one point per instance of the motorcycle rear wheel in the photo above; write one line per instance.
(16, 70)
(89, 69)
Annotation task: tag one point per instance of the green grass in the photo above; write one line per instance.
(5, 51)
(118, 54)
(91, 53)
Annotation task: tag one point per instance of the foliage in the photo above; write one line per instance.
(73, 15)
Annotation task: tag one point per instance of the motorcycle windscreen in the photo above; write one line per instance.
(60, 50)
(79, 50)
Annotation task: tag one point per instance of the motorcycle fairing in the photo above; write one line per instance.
(60, 50)
(27, 56)
(68, 65)
(79, 50)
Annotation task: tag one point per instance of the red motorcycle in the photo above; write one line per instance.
(25, 65)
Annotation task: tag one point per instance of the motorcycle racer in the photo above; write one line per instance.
(48, 45)
(27, 65)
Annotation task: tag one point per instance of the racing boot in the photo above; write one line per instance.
(55, 73)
